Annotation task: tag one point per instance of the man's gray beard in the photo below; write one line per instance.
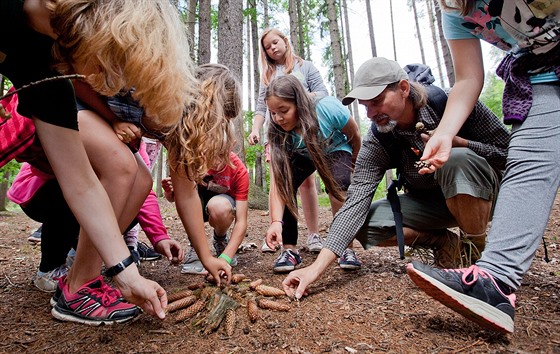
(386, 128)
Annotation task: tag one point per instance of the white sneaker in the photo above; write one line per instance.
(314, 243)
(265, 248)
(192, 264)
(48, 281)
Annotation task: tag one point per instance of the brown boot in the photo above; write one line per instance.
(446, 246)
(473, 245)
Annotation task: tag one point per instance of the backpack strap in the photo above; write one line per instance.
(393, 147)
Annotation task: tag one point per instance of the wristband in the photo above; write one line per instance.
(225, 257)
(280, 221)
(119, 267)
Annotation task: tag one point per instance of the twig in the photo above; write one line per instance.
(9, 281)
(468, 346)
(540, 319)
(35, 83)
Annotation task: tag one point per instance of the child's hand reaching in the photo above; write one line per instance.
(219, 268)
(167, 186)
(274, 235)
(171, 250)
(126, 131)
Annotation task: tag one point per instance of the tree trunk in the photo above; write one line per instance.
(393, 30)
(338, 66)
(435, 40)
(3, 190)
(370, 26)
(230, 53)
(292, 13)
(191, 21)
(446, 53)
(265, 13)
(350, 60)
(204, 32)
(301, 36)
(418, 32)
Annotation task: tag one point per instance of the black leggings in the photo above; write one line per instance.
(60, 227)
(340, 165)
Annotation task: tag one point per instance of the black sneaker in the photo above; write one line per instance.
(35, 237)
(472, 292)
(286, 261)
(147, 253)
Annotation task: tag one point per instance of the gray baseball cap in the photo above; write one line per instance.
(372, 78)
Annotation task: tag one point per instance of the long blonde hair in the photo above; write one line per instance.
(268, 65)
(464, 7)
(131, 43)
(204, 137)
(288, 88)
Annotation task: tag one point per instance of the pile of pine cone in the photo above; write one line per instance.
(222, 302)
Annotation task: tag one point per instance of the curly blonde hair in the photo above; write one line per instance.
(268, 65)
(128, 43)
(204, 137)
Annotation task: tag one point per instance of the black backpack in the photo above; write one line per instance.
(437, 99)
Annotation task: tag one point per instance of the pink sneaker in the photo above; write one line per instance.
(95, 304)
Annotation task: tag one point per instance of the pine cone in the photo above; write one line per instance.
(237, 278)
(190, 311)
(253, 285)
(230, 322)
(269, 291)
(196, 286)
(178, 295)
(182, 303)
(273, 305)
(252, 311)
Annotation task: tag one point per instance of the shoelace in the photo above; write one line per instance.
(285, 255)
(191, 256)
(60, 272)
(107, 294)
(350, 256)
(466, 272)
(314, 238)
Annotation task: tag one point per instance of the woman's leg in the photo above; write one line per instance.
(124, 175)
(528, 190)
(310, 204)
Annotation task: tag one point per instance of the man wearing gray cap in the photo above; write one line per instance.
(460, 194)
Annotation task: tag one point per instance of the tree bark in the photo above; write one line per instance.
(446, 53)
(191, 21)
(338, 66)
(431, 18)
(418, 32)
(350, 60)
(204, 32)
(370, 26)
(230, 54)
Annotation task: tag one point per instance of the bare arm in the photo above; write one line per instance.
(189, 209)
(239, 227)
(469, 75)
(354, 139)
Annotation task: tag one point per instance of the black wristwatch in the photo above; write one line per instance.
(119, 267)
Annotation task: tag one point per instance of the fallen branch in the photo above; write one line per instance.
(48, 79)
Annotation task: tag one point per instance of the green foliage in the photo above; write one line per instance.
(492, 94)
(10, 169)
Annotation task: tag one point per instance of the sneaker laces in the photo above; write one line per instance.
(284, 256)
(107, 294)
(350, 256)
(472, 271)
(59, 272)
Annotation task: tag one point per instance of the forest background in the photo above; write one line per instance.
(336, 35)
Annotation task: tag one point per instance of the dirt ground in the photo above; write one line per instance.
(376, 309)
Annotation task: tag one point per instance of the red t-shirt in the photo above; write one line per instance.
(233, 181)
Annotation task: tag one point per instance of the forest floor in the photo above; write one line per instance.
(376, 309)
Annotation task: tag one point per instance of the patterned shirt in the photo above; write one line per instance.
(486, 136)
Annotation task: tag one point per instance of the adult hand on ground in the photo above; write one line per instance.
(147, 294)
(296, 283)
